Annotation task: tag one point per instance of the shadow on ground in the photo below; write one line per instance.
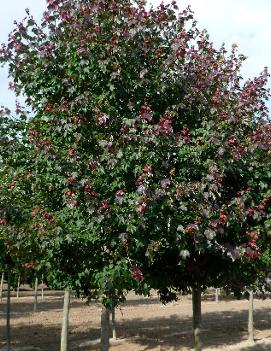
(167, 333)
(22, 307)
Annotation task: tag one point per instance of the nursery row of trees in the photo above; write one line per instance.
(140, 160)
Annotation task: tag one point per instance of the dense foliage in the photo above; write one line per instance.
(21, 251)
(148, 156)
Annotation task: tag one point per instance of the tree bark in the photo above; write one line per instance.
(65, 321)
(2, 286)
(250, 318)
(105, 329)
(36, 295)
(18, 286)
(8, 313)
(114, 333)
(196, 301)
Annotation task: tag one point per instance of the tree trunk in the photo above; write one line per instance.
(216, 295)
(196, 300)
(36, 295)
(250, 318)
(18, 286)
(114, 334)
(8, 313)
(42, 288)
(105, 329)
(65, 321)
(2, 286)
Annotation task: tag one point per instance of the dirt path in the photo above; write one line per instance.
(142, 324)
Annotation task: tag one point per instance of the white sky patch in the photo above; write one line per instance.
(244, 22)
(14, 10)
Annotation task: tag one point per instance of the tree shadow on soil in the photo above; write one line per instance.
(47, 338)
(263, 347)
(219, 329)
(206, 297)
(166, 333)
(22, 307)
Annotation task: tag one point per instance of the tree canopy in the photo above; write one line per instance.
(148, 155)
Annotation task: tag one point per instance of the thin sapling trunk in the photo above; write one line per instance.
(2, 286)
(114, 334)
(196, 301)
(65, 321)
(216, 295)
(8, 313)
(105, 329)
(42, 288)
(250, 318)
(18, 286)
(36, 295)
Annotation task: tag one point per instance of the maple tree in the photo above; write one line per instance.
(149, 156)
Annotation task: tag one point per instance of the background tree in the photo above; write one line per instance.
(16, 240)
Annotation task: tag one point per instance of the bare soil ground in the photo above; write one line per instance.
(142, 324)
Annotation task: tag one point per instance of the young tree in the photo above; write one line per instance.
(146, 148)
(15, 242)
